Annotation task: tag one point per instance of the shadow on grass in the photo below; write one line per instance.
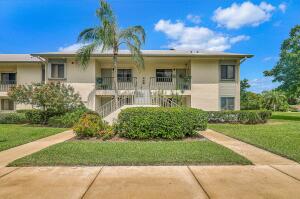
(286, 117)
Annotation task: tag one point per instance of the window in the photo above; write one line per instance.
(227, 103)
(227, 72)
(124, 75)
(8, 78)
(164, 75)
(58, 71)
(7, 105)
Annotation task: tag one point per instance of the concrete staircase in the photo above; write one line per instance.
(112, 117)
(141, 98)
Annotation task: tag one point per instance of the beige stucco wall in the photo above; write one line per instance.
(231, 88)
(205, 84)
(206, 88)
(81, 79)
(148, 71)
(29, 73)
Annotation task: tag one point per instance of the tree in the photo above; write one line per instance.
(56, 98)
(244, 85)
(109, 37)
(251, 101)
(287, 69)
(274, 100)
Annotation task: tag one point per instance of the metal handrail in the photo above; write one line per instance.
(170, 83)
(124, 83)
(5, 85)
(112, 105)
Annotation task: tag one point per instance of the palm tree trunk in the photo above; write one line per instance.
(115, 69)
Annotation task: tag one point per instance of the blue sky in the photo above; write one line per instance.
(255, 27)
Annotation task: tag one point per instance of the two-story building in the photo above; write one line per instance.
(203, 79)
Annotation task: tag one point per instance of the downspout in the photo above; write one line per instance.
(242, 60)
(45, 62)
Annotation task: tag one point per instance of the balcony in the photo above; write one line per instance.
(170, 83)
(6, 85)
(107, 83)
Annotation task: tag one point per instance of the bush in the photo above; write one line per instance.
(37, 116)
(107, 133)
(67, 120)
(89, 125)
(12, 118)
(243, 117)
(160, 122)
(57, 98)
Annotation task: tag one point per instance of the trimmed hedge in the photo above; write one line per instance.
(242, 117)
(13, 118)
(160, 122)
(67, 120)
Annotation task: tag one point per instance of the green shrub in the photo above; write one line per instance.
(37, 116)
(107, 133)
(89, 125)
(243, 117)
(160, 122)
(67, 120)
(12, 118)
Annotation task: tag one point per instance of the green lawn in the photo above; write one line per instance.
(74, 153)
(280, 136)
(15, 135)
(295, 116)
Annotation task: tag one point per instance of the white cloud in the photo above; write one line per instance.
(184, 37)
(239, 38)
(262, 84)
(245, 14)
(70, 48)
(270, 58)
(282, 7)
(194, 18)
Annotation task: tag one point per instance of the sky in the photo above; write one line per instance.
(250, 27)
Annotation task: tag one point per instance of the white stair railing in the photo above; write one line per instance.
(112, 105)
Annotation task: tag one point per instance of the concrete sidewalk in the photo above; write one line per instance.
(12, 154)
(256, 155)
(151, 182)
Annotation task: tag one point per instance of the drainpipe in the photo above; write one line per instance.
(242, 60)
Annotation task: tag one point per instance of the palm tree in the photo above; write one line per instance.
(109, 37)
(274, 99)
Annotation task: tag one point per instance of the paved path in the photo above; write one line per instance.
(271, 177)
(151, 182)
(12, 154)
(256, 155)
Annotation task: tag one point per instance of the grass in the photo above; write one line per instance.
(295, 116)
(75, 153)
(15, 135)
(280, 136)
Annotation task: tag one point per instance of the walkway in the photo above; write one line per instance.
(150, 182)
(256, 155)
(12, 154)
(272, 176)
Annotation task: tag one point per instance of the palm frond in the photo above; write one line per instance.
(136, 55)
(84, 54)
(105, 13)
(88, 35)
(135, 33)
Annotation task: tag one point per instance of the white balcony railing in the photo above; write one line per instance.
(107, 83)
(170, 83)
(6, 85)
